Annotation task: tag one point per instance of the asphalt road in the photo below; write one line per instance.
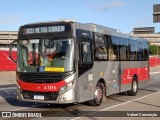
(147, 99)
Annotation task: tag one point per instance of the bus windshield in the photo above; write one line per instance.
(46, 55)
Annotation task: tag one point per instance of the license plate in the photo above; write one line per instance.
(38, 97)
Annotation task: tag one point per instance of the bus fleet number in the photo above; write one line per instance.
(49, 87)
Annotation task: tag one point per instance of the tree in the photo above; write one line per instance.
(153, 49)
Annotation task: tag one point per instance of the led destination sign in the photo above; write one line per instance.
(47, 29)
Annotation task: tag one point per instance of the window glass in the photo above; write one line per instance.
(146, 55)
(132, 50)
(46, 55)
(123, 48)
(100, 48)
(85, 57)
(111, 44)
(85, 52)
(115, 47)
(140, 51)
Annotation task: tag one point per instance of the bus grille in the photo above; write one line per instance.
(41, 78)
(47, 96)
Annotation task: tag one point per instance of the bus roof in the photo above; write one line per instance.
(51, 22)
(92, 27)
(106, 30)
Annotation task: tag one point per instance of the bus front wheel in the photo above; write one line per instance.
(98, 95)
(134, 87)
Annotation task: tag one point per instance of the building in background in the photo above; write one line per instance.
(147, 33)
(6, 37)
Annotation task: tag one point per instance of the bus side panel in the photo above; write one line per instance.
(84, 86)
(108, 71)
(131, 68)
(116, 74)
(143, 73)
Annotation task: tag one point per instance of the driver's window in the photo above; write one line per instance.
(85, 52)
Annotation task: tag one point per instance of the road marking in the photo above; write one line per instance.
(116, 105)
(130, 101)
(154, 72)
(7, 88)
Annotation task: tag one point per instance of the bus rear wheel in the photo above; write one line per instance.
(98, 95)
(134, 87)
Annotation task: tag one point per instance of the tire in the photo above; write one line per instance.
(98, 95)
(134, 87)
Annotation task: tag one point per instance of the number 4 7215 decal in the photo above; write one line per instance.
(49, 87)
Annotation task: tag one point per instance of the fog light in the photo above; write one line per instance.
(63, 99)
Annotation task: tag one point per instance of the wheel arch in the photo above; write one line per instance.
(136, 76)
(134, 87)
(104, 84)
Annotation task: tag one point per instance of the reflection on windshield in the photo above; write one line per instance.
(46, 55)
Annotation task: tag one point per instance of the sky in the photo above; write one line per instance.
(123, 15)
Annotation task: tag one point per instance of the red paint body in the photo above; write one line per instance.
(128, 74)
(35, 87)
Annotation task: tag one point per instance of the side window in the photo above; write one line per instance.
(132, 50)
(113, 48)
(85, 52)
(85, 62)
(100, 48)
(140, 51)
(146, 55)
(123, 48)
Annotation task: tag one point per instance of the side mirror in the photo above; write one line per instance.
(10, 51)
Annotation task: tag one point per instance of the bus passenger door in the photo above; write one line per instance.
(85, 64)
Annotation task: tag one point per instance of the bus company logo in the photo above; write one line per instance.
(6, 114)
(20, 114)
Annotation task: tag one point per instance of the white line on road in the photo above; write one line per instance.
(130, 101)
(7, 88)
(116, 105)
(154, 72)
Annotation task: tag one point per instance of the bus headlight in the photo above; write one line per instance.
(66, 87)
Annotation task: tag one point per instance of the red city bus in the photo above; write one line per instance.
(70, 62)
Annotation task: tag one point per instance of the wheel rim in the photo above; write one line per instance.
(98, 94)
(134, 86)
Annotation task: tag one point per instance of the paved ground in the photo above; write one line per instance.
(7, 77)
(154, 69)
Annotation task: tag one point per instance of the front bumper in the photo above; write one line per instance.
(67, 97)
